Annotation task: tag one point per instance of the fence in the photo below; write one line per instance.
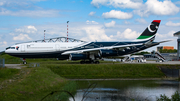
(2, 63)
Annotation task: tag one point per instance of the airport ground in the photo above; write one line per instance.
(167, 62)
(34, 83)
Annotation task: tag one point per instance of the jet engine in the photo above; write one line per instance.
(77, 56)
(106, 53)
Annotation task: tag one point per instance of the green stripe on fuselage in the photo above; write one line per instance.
(143, 37)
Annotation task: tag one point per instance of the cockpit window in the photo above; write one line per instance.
(7, 48)
(10, 48)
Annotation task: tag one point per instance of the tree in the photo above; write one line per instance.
(168, 51)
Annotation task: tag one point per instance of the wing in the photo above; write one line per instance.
(120, 47)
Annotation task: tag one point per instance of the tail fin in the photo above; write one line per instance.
(150, 32)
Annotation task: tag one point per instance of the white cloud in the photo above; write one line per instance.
(170, 34)
(117, 3)
(11, 34)
(174, 18)
(110, 24)
(127, 34)
(27, 29)
(155, 7)
(30, 13)
(167, 36)
(1, 3)
(97, 2)
(92, 13)
(117, 15)
(162, 8)
(91, 22)
(4, 43)
(95, 33)
(22, 37)
(127, 22)
(143, 21)
(170, 23)
(17, 2)
(178, 2)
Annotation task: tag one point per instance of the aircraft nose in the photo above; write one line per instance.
(5, 51)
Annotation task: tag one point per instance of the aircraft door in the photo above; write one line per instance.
(57, 47)
(22, 48)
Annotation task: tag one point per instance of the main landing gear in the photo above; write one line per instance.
(24, 61)
(89, 62)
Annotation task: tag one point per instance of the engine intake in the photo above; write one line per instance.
(106, 53)
(77, 56)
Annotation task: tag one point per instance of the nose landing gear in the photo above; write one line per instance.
(24, 61)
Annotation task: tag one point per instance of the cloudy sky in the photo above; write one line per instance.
(89, 20)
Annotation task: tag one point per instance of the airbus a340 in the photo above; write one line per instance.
(88, 52)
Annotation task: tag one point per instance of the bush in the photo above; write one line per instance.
(174, 97)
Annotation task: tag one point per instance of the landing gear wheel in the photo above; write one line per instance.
(82, 62)
(24, 62)
(87, 62)
(92, 62)
(96, 62)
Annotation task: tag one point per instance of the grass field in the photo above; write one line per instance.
(7, 73)
(105, 71)
(75, 70)
(33, 84)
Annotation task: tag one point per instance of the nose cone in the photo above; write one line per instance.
(6, 51)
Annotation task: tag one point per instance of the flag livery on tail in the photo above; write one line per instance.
(150, 31)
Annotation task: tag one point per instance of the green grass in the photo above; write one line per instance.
(32, 84)
(10, 59)
(16, 60)
(6, 73)
(73, 69)
(94, 71)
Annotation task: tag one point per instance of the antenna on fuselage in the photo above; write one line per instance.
(67, 30)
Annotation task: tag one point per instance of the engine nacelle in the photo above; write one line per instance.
(77, 56)
(106, 53)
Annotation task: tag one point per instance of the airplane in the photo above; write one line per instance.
(88, 52)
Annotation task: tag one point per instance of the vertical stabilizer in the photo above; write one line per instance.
(150, 32)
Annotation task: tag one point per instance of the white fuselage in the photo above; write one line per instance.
(43, 47)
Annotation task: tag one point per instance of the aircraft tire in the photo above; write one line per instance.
(138, 60)
(92, 62)
(96, 62)
(82, 62)
(24, 62)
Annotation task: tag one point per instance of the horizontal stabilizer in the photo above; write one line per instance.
(165, 41)
(156, 43)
